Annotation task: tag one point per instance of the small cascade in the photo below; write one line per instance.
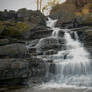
(55, 33)
(51, 23)
(76, 36)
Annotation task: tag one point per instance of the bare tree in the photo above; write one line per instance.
(39, 5)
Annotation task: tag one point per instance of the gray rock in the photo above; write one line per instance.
(50, 43)
(13, 50)
(22, 69)
(13, 68)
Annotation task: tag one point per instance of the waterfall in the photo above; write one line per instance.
(73, 65)
(76, 36)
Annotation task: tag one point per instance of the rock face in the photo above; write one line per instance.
(13, 50)
(14, 71)
(13, 68)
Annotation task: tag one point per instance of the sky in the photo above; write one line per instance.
(17, 4)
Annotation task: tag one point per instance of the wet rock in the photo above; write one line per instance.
(32, 43)
(13, 50)
(61, 33)
(32, 50)
(50, 52)
(52, 68)
(37, 67)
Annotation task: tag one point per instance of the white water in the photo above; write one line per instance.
(75, 68)
(51, 23)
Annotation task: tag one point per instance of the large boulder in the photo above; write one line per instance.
(13, 71)
(13, 50)
(50, 43)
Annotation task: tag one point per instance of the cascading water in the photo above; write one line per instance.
(51, 23)
(75, 68)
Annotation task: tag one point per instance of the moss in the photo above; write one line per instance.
(11, 31)
(22, 26)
